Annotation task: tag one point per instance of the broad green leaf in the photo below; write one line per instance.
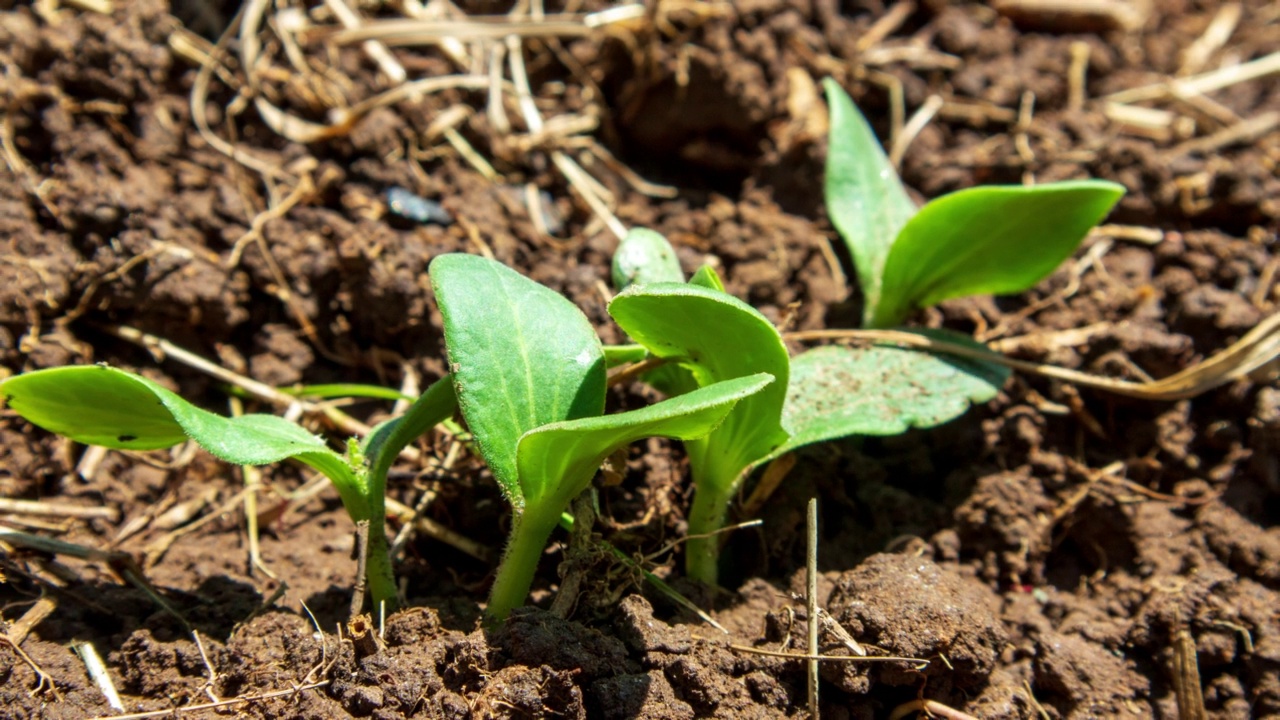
(715, 337)
(557, 461)
(838, 392)
(644, 256)
(981, 240)
(384, 443)
(521, 356)
(100, 405)
(866, 201)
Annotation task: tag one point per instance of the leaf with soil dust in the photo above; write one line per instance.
(838, 391)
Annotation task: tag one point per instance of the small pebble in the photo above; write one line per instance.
(405, 204)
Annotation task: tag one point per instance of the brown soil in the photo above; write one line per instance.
(994, 546)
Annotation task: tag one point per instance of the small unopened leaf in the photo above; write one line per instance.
(557, 461)
(644, 256)
(865, 199)
(521, 356)
(837, 391)
(988, 240)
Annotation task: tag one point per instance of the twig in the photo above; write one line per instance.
(1077, 72)
(1203, 83)
(930, 708)
(1256, 348)
(374, 49)
(918, 121)
(41, 609)
(1197, 54)
(44, 681)
(436, 531)
(1108, 13)
(362, 560)
(52, 509)
(423, 32)
(811, 601)
(411, 523)
(1242, 132)
(919, 663)
(214, 705)
(98, 673)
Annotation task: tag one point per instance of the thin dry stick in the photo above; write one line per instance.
(424, 32)
(930, 708)
(214, 705)
(917, 663)
(20, 628)
(885, 26)
(362, 560)
(913, 127)
(406, 531)
(811, 601)
(44, 681)
(1203, 83)
(52, 509)
(98, 673)
(1258, 347)
(1242, 132)
(1197, 54)
(374, 49)
(1076, 74)
(436, 531)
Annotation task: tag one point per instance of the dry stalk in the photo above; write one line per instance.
(1245, 131)
(1115, 14)
(931, 708)
(1197, 54)
(1256, 349)
(174, 712)
(918, 121)
(1202, 84)
(53, 509)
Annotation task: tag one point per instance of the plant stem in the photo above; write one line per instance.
(702, 551)
(520, 562)
(381, 577)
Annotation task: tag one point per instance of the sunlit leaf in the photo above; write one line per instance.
(521, 356)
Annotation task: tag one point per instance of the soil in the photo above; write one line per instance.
(1037, 584)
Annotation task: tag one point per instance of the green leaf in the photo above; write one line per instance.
(865, 198)
(707, 277)
(995, 240)
(838, 392)
(521, 356)
(100, 405)
(715, 337)
(557, 461)
(644, 256)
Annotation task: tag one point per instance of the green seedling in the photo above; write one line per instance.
(529, 374)
(707, 336)
(100, 405)
(983, 240)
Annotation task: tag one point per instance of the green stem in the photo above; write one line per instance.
(702, 554)
(520, 562)
(378, 570)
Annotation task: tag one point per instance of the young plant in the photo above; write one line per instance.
(529, 374)
(707, 335)
(982, 240)
(100, 405)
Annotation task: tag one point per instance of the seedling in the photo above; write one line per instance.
(100, 405)
(983, 240)
(529, 373)
(706, 335)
